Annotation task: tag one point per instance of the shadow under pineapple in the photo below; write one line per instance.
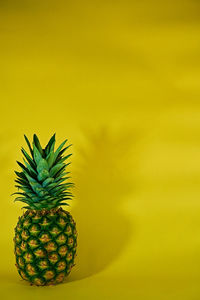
(102, 181)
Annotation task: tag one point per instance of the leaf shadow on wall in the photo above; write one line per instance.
(102, 183)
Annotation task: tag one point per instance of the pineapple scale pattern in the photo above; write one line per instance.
(45, 245)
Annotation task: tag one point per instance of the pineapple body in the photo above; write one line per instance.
(45, 245)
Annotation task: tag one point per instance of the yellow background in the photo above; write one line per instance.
(121, 80)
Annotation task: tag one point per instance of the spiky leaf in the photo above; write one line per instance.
(42, 177)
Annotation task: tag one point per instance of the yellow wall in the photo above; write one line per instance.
(121, 80)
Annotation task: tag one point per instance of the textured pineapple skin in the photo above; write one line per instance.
(45, 245)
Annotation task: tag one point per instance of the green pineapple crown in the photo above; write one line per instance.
(42, 180)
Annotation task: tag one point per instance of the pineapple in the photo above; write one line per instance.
(45, 236)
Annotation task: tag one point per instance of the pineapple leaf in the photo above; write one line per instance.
(47, 181)
(19, 193)
(50, 146)
(50, 159)
(41, 182)
(29, 145)
(30, 161)
(55, 169)
(29, 167)
(62, 159)
(61, 153)
(37, 155)
(26, 171)
(22, 182)
(21, 175)
(59, 149)
(61, 170)
(37, 144)
(64, 204)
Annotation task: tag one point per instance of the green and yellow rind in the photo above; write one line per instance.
(45, 250)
